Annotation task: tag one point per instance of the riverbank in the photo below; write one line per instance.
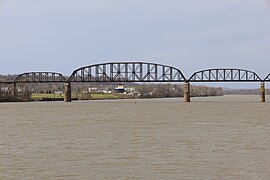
(93, 96)
(77, 96)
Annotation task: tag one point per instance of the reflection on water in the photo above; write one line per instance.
(210, 138)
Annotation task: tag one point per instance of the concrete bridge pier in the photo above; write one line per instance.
(262, 91)
(14, 90)
(67, 92)
(187, 92)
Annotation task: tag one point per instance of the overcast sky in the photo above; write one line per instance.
(61, 35)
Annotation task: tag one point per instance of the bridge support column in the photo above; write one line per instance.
(14, 90)
(187, 92)
(67, 92)
(262, 92)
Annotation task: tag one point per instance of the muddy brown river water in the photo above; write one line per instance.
(211, 138)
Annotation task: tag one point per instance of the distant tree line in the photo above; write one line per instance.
(7, 93)
(9, 77)
(176, 90)
(244, 91)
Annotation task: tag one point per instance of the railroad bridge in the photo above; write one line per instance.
(141, 72)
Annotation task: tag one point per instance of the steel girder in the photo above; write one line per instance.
(127, 72)
(224, 75)
(40, 77)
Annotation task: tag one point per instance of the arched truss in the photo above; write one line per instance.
(267, 78)
(224, 75)
(127, 72)
(40, 77)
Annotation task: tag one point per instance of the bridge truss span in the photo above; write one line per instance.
(267, 78)
(127, 72)
(225, 75)
(40, 77)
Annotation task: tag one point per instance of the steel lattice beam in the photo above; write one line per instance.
(225, 75)
(40, 77)
(127, 72)
(267, 77)
(139, 72)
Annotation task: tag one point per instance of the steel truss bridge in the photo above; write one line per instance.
(140, 72)
(40, 77)
(127, 72)
(224, 75)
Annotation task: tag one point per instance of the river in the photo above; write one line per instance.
(210, 138)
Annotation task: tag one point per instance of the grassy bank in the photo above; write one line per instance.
(40, 97)
(104, 96)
